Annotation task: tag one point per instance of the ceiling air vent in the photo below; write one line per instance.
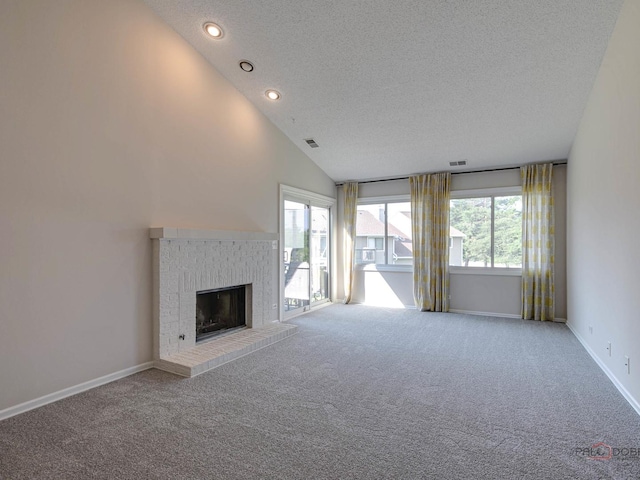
(458, 164)
(311, 142)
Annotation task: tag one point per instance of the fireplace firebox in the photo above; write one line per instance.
(220, 310)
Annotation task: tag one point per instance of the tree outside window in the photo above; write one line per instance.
(492, 230)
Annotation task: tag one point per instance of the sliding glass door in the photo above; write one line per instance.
(306, 250)
(296, 256)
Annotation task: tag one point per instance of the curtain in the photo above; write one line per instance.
(430, 237)
(349, 236)
(537, 242)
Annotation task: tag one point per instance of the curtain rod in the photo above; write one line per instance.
(406, 177)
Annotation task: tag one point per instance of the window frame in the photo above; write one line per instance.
(384, 267)
(485, 193)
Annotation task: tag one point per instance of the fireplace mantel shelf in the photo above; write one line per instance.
(173, 233)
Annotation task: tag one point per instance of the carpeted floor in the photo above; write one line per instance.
(359, 392)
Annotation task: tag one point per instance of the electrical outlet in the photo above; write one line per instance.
(274, 306)
(590, 329)
(609, 348)
(627, 364)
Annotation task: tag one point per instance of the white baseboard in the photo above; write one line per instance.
(485, 314)
(625, 393)
(502, 315)
(67, 392)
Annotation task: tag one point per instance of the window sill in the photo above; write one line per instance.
(372, 267)
(501, 272)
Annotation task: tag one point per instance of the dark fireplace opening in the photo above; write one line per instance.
(219, 310)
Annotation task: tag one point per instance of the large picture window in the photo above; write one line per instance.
(486, 230)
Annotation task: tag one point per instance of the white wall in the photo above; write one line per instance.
(469, 292)
(604, 205)
(111, 123)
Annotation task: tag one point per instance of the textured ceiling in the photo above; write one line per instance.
(393, 88)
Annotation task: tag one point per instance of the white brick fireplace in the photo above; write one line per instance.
(188, 261)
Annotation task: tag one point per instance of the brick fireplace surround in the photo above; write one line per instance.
(187, 261)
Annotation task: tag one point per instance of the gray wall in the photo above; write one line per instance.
(604, 201)
(469, 292)
(111, 123)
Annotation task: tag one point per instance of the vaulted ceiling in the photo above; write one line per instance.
(393, 88)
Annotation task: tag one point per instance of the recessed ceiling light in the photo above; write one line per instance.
(272, 95)
(246, 65)
(213, 30)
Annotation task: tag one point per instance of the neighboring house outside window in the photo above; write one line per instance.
(456, 239)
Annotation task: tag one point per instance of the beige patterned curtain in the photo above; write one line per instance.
(349, 235)
(430, 233)
(538, 301)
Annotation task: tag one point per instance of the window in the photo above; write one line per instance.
(486, 229)
(383, 233)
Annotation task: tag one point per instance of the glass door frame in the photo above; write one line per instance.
(311, 200)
